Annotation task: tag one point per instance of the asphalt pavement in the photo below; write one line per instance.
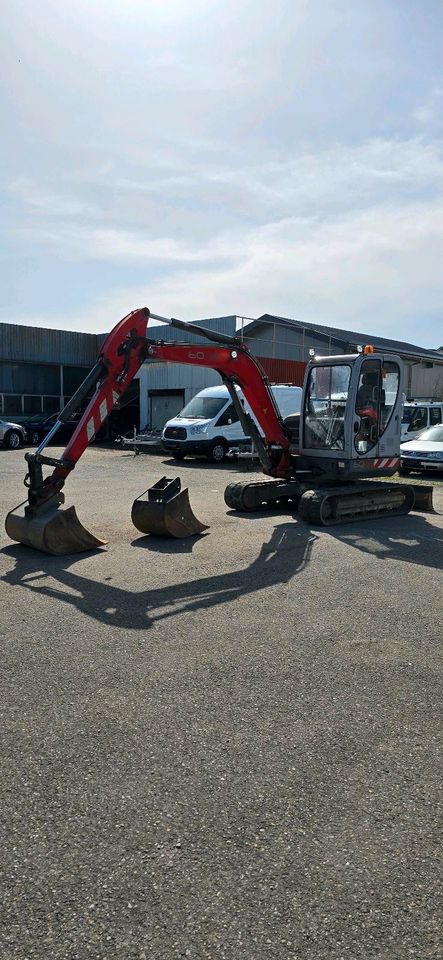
(223, 748)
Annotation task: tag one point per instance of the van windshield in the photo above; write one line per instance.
(203, 408)
(408, 414)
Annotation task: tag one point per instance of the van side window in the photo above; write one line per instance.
(227, 417)
(435, 414)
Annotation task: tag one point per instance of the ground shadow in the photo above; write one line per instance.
(166, 544)
(284, 556)
(197, 464)
(413, 539)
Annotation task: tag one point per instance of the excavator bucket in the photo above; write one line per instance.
(50, 529)
(166, 512)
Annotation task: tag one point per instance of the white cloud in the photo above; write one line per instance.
(370, 270)
(40, 199)
(225, 157)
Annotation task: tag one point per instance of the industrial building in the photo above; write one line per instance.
(41, 368)
(279, 338)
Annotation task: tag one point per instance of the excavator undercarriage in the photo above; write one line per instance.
(324, 505)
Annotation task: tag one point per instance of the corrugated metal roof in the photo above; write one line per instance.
(218, 324)
(347, 337)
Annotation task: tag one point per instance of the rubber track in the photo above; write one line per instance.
(370, 501)
(328, 505)
(251, 495)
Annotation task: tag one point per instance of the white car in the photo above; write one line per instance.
(12, 435)
(424, 453)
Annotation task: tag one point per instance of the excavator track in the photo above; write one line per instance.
(324, 506)
(363, 501)
(248, 496)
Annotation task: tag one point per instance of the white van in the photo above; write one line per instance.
(418, 415)
(209, 424)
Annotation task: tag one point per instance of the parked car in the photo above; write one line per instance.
(12, 435)
(424, 453)
(39, 426)
(209, 426)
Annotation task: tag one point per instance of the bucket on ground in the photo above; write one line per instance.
(165, 511)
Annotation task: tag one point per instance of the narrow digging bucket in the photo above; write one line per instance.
(51, 530)
(167, 511)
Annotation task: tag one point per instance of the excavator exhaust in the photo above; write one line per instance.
(47, 528)
(166, 512)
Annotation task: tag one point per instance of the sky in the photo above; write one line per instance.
(214, 157)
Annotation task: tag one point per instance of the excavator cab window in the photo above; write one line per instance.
(325, 406)
(367, 406)
(376, 398)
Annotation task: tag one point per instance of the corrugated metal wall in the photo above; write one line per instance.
(172, 376)
(284, 371)
(425, 381)
(39, 345)
(162, 331)
(280, 342)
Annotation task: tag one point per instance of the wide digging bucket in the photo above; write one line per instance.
(50, 529)
(166, 512)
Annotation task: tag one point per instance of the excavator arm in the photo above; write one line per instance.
(121, 356)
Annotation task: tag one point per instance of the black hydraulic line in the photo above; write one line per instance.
(90, 381)
(194, 328)
(249, 427)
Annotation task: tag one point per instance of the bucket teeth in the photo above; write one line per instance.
(51, 530)
(167, 511)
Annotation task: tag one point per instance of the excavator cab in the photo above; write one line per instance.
(351, 415)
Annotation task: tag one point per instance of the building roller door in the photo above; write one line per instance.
(164, 406)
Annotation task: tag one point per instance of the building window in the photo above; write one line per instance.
(73, 378)
(31, 405)
(12, 403)
(51, 404)
(30, 378)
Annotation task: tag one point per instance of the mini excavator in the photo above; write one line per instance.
(326, 465)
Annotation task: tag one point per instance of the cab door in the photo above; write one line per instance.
(377, 410)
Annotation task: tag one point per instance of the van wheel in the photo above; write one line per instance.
(404, 471)
(218, 451)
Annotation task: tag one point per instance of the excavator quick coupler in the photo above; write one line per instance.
(50, 529)
(166, 512)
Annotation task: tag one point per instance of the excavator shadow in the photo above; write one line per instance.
(413, 540)
(278, 561)
(165, 545)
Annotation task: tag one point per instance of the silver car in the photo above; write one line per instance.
(425, 453)
(12, 435)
